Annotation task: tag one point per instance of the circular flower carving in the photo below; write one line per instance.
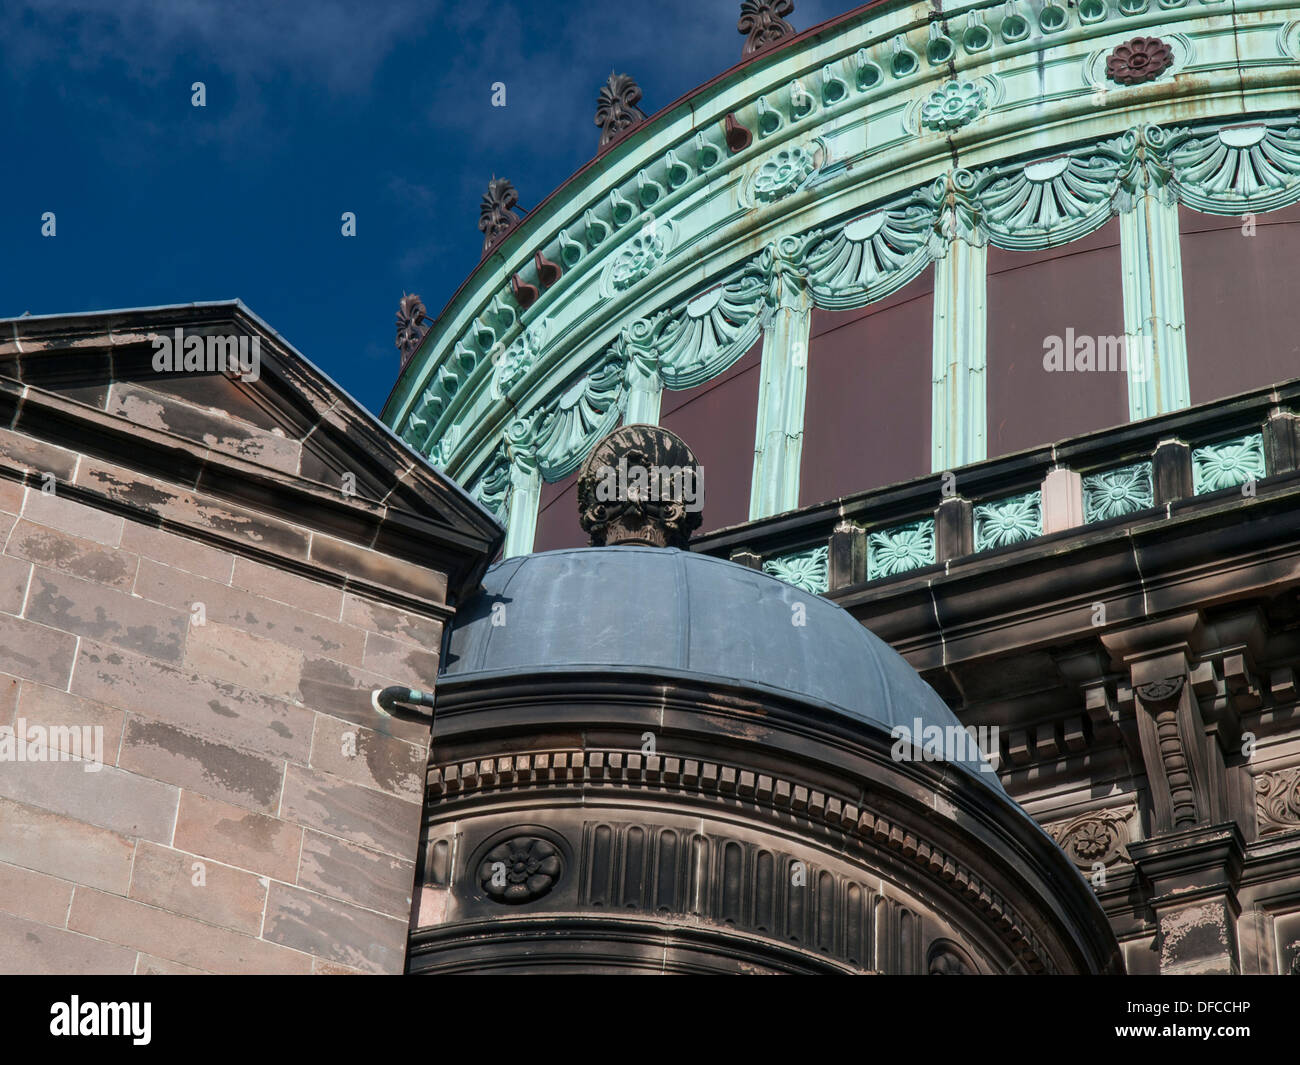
(1141, 59)
(637, 260)
(520, 870)
(952, 105)
(782, 174)
(1091, 841)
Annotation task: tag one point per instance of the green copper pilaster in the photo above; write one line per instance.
(525, 496)
(645, 390)
(1151, 256)
(778, 439)
(958, 418)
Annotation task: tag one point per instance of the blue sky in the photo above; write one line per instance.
(380, 107)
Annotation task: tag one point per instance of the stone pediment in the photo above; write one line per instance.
(203, 417)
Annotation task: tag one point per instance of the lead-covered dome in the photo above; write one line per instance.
(671, 613)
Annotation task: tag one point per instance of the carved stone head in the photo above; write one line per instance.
(641, 485)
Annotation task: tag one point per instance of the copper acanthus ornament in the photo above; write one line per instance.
(412, 324)
(616, 108)
(496, 214)
(763, 22)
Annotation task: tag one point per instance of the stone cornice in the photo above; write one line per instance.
(834, 775)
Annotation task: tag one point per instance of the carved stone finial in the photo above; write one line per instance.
(496, 215)
(616, 108)
(412, 324)
(641, 485)
(763, 22)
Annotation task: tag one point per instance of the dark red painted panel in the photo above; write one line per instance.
(557, 516)
(717, 419)
(867, 411)
(1239, 301)
(1039, 294)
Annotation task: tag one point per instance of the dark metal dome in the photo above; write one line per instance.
(665, 612)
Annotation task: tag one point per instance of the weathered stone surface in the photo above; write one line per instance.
(74, 555)
(70, 516)
(284, 587)
(122, 801)
(34, 896)
(15, 573)
(388, 621)
(33, 949)
(227, 653)
(402, 662)
(362, 815)
(36, 456)
(36, 652)
(243, 610)
(354, 874)
(344, 691)
(168, 502)
(51, 708)
(212, 428)
(382, 569)
(148, 965)
(164, 752)
(218, 710)
(61, 846)
(9, 687)
(182, 939)
(98, 613)
(178, 551)
(11, 496)
(365, 757)
(335, 930)
(238, 836)
(197, 886)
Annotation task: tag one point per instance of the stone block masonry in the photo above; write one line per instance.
(187, 592)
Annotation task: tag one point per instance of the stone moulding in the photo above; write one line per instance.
(451, 785)
(674, 176)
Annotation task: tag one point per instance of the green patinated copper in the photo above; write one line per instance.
(677, 253)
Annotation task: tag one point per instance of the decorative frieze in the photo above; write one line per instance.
(899, 549)
(1099, 838)
(1141, 59)
(1228, 463)
(1114, 493)
(1008, 521)
(1277, 800)
(808, 570)
(952, 105)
